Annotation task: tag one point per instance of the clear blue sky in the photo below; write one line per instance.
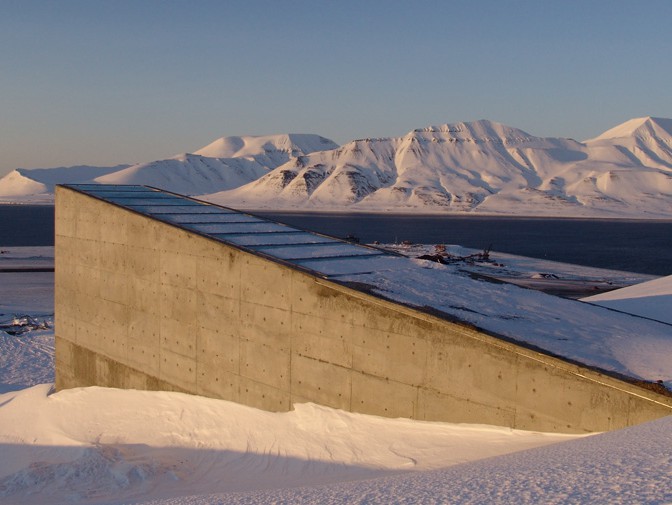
(107, 82)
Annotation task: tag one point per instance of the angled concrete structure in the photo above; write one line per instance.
(159, 291)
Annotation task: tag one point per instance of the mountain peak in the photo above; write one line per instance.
(640, 127)
(253, 145)
(481, 129)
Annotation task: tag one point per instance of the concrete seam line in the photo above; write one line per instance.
(603, 383)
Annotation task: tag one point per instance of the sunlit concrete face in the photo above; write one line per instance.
(154, 291)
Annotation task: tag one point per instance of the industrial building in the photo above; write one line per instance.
(163, 292)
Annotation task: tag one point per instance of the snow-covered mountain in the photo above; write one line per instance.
(473, 167)
(226, 163)
(189, 174)
(481, 167)
(38, 183)
(266, 149)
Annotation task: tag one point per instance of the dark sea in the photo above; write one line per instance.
(26, 225)
(630, 245)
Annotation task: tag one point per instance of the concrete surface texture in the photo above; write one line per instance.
(145, 304)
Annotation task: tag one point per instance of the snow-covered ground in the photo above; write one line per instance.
(570, 281)
(98, 445)
(651, 299)
(26, 359)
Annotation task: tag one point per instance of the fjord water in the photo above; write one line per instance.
(630, 245)
(26, 225)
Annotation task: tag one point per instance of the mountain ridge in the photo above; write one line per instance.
(252, 145)
(471, 167)
(639, 127)
(479, 167)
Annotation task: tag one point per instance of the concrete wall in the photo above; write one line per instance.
(142, 304)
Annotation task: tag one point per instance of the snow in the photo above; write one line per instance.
(642, 126)
(12, 258)
(571, 281)
(189, 174)
(37, 185)
(225, 164)
(129, 443)
(27, 359)
(16, 184)
(651, 299)
(625, 467)
(479, 167)
(292, 143)
(101, 445)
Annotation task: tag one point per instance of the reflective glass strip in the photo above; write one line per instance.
(277, 239)
(110, 194)
(139, 195)
(91, 188)
(211, 218)
(314, 251)
(352, 266)
(243, 227)
(187, 207)
(134, 202)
